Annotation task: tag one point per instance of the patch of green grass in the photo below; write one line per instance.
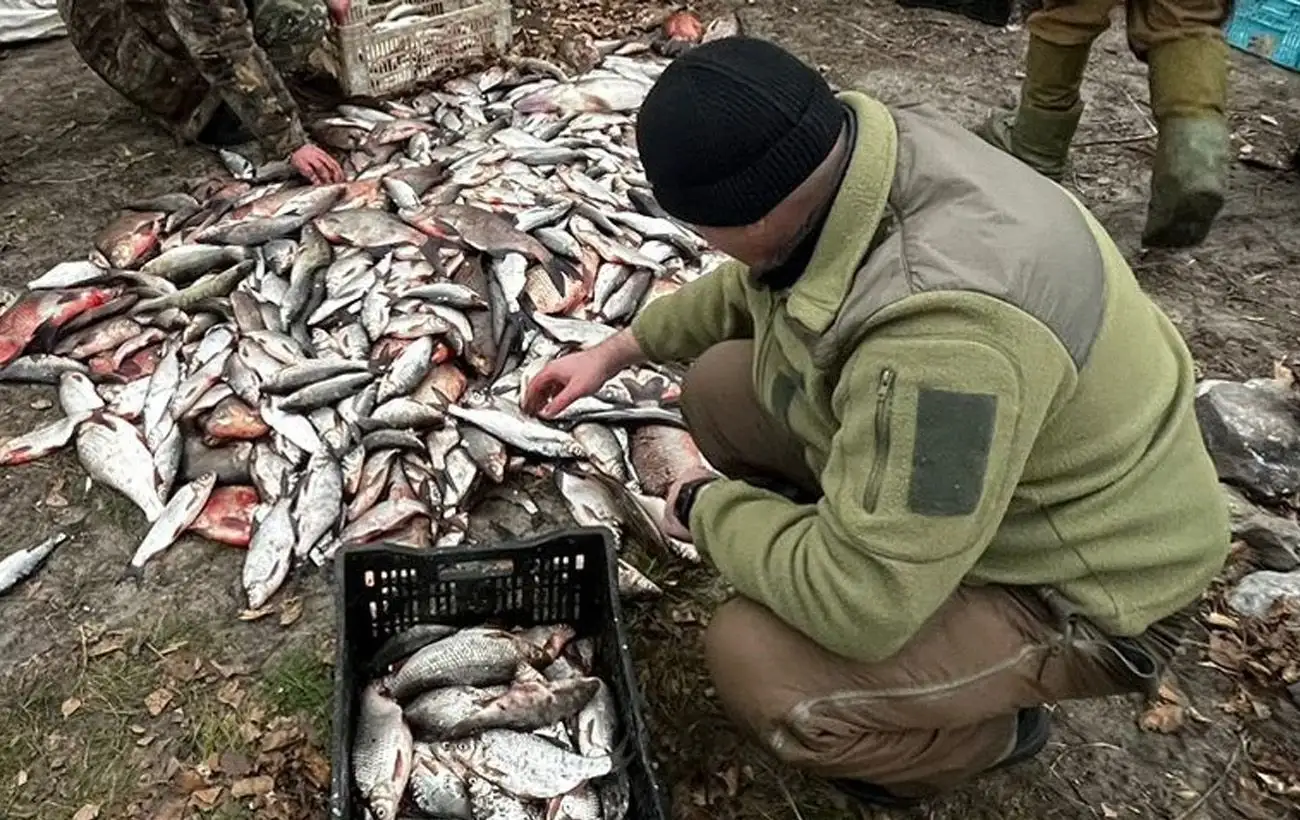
(298, 682)
(84, 758)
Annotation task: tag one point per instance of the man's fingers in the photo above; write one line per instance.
(560, 401)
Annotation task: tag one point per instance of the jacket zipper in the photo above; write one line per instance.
(884, 400)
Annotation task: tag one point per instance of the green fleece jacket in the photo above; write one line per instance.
(984, 389)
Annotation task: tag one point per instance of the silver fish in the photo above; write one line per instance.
(437, 790)
(524, 765)
(269, 554)
(491, 803)
(438, 712)
(18, 565)
(320, 501)
(381, 753)
(114, 454)
(521, 431)
(468, 658)
(176, 517)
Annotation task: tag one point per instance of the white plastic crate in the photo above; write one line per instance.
(376, 60)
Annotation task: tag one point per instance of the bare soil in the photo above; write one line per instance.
(71, 152)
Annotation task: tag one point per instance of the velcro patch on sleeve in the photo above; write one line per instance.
(954, 432)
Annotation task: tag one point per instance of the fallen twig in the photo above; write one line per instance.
(1227, 770)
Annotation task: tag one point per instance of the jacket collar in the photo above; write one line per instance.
(845, 238)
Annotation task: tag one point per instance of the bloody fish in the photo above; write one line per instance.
(131, 238)
(47, 309)
(233, 419)
(227, 518)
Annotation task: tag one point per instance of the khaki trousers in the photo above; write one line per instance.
(1149, 23)
(942, 709)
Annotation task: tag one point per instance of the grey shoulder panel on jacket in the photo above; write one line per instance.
(966, 216)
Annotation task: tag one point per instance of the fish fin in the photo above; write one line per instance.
(561, 271)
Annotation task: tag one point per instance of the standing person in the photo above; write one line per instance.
(1181, 43)
(209, 70)
(993, 489)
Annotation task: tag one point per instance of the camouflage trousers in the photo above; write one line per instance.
(288, 30)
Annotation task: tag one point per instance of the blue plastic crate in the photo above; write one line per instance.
(1268, 28)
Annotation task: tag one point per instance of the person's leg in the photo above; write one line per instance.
(733, 431)
(945, 708)
(288, 29)
(1041, 128)
(1182, 43)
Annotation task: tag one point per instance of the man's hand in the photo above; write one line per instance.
(572, 377)
(338, 10)
(681, 530)
(316, 165)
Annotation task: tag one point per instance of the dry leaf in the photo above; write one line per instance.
(21, 779)
(173, 809)
(231, 670)
(87, 812)
(252, 786)
(157, 701)
(291, 612)
(189, 781)
(255, 614)
(1163, 717)
(146, 740)
(207, 798)
(316, 768)
(230, 694)
(1108, 812)
(1220, 620)
(70, 706)
(235, 764)
(281, 739)
(1169, 694)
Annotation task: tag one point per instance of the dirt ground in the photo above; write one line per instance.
(155, 700)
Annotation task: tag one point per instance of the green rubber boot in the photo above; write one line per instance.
(1189, 177)
(1188, 180)
(1040, 139)
(1041, 128)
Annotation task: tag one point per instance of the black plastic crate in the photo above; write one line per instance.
(567, 576)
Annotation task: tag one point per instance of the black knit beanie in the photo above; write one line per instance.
(731, 128)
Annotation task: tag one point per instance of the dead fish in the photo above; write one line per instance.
(176, 517)
(488, 801)
(438, 712)
(231, 463)
(130, 239)
(591, 96)
(114, 454)
(320, 501)
(17, 566)
(69, 274)
(523, 764)
(234, 419)
(530, 703)
(468, 658)
(381, 753)
(45, 309)
(40, 368)
(436, 789)
(270, 553)
(227, 517)
(77, 395)
(633, 585)
(521, 431)
(660, 454)
(367, 228)
(583, 803)
(185, 263)
(407, 643)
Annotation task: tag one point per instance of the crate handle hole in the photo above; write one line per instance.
(477, 570)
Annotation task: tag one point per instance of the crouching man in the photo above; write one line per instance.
(963, 477)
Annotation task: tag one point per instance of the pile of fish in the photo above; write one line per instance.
(290, 368)
(488, 724)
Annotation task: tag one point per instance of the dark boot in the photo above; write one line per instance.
(1033, 727)
(1189, 176)
(1041, 128)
